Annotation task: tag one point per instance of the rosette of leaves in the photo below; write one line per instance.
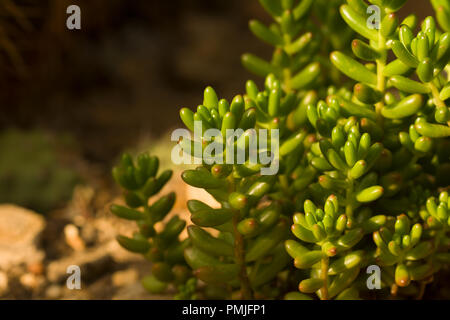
(436, 215)
(425, 55)
(140, 181)
(271, 108)
(300, 45)
(326, 249)
(292, 57)
(414, 252)
(247, 252)
(346, 160)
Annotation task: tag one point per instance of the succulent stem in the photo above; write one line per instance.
(324, 276)
(381, 80)
(349, 202)
(239, 254)
(422, 287)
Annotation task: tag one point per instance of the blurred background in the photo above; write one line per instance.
(72, 101)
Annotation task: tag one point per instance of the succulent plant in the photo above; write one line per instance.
(248, 250)
(362, 162)
(140, 181)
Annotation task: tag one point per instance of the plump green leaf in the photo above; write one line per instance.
(353, 69)
(357, 22)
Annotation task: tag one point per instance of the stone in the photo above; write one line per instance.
(125, 277)
(53, 292)
(72, 237)
(137, 292)
(92, 263)
(20, 234)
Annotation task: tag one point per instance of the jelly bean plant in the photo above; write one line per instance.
(345, 193)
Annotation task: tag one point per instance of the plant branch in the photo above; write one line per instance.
(324, 276)
(239, 254)
(349, 202)
(435, 92)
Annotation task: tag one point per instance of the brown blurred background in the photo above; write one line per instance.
(126, 73)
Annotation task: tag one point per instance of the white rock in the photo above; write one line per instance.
(20, 234)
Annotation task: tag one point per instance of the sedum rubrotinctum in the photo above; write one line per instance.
(362, 164)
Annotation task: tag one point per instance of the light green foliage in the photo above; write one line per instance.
(301, 46)
(248, 250)
(363, 176)
(32, 173)
(140, 181)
